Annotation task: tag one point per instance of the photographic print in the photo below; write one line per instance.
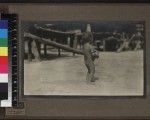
(83, 58)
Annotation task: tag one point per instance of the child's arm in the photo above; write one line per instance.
(94, 53)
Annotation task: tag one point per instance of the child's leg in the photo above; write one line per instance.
(88, 72)
(92, 71)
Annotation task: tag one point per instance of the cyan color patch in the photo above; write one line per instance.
(3, 33)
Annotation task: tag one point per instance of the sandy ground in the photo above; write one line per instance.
(119, 74)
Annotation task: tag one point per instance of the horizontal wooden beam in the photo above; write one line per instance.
(52, 43)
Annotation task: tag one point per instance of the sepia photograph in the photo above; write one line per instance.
(83, 58)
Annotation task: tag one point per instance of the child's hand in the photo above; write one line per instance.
(95, 53)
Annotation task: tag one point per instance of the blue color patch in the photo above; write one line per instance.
(3, 24)
(3, 33)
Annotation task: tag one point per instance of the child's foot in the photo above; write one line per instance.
(92, 83)
(96, 78)
(93, 80)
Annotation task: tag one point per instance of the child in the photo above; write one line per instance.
(89, 55)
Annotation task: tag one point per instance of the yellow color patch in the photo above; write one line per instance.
(3, 51)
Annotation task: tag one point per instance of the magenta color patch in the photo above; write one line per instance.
(3, 68)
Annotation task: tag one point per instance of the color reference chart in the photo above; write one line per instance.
(3, 59)
(10, 50)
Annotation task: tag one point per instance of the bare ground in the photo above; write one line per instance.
(118, 74)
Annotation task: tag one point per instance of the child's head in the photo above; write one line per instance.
(87, 37)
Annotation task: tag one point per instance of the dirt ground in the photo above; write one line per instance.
(118, 74)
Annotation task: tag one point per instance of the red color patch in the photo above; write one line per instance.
(3, 60)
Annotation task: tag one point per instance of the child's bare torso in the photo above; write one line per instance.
(87, 52)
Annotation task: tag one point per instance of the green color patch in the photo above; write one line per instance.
(3, 42)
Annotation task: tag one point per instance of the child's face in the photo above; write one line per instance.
(87, 37)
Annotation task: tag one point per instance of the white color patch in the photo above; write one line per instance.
(3, 78)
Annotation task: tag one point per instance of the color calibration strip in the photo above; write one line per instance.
(11, 51)
(3, 59)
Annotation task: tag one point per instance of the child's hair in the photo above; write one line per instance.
(87, 37)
